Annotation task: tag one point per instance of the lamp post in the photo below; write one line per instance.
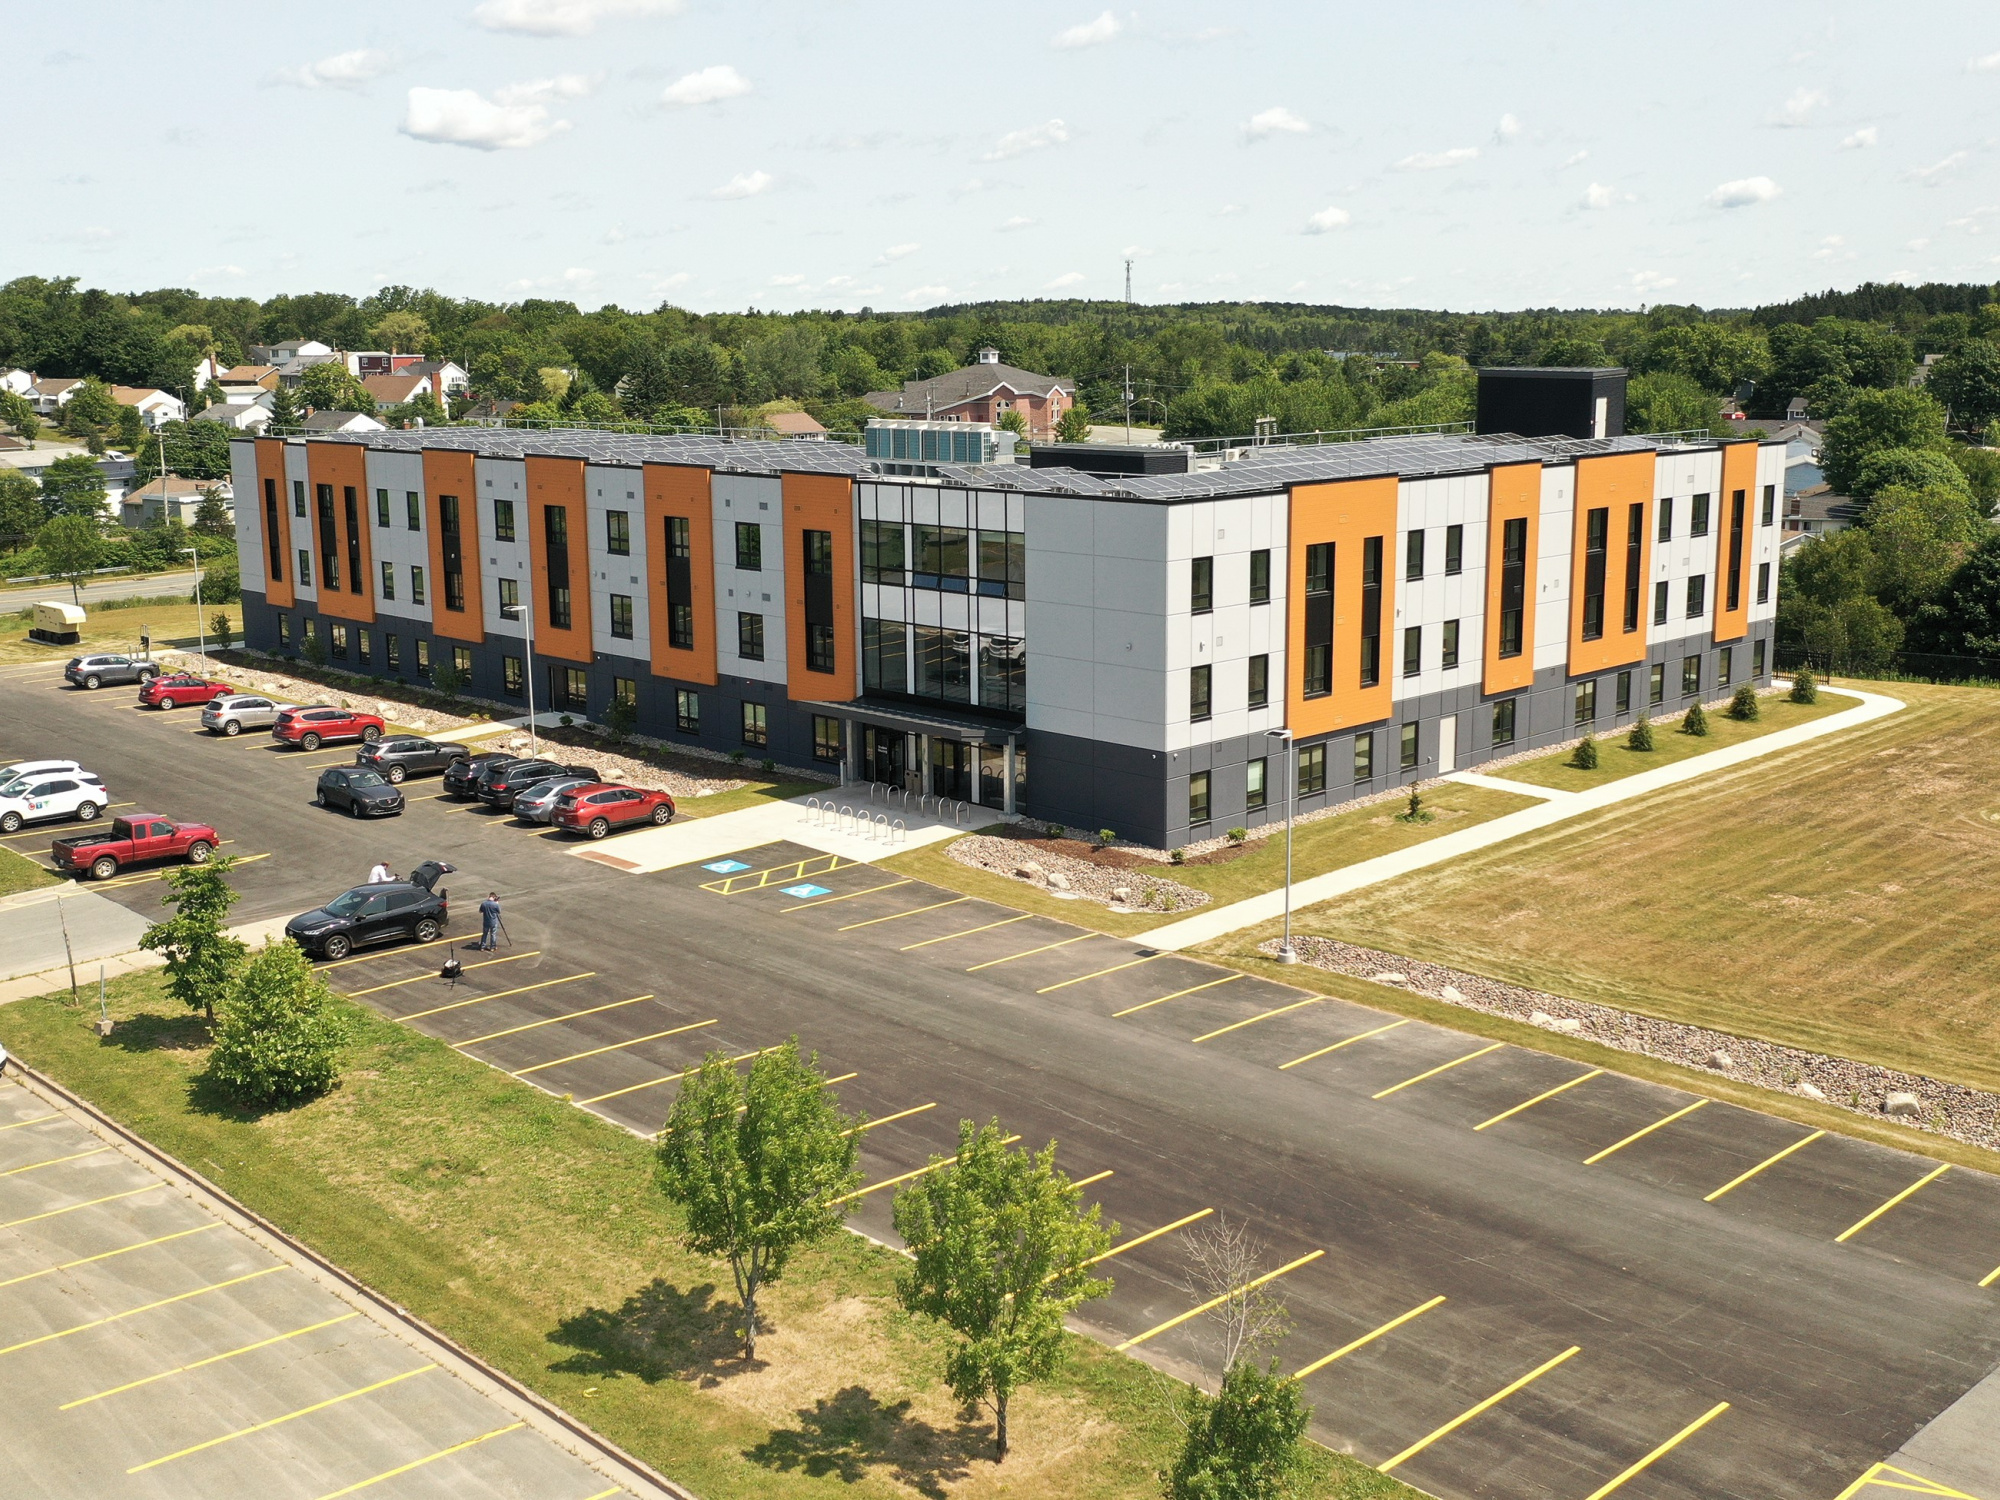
(1286, 953)
(526, 613)
(200, 625)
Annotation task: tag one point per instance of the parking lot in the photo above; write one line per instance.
(1508, 1274)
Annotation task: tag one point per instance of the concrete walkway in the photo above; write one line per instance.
(22, 984)
(1502, 784)
(1204, 925)
(1957, 1452)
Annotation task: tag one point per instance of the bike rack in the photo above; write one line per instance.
(899, 832)
(881, 822)
(812, 811)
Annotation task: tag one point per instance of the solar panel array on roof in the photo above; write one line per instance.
(726, 455)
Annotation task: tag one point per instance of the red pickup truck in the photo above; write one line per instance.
(134, 839)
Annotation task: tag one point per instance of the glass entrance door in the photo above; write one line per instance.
(951, 769)
(884, 755)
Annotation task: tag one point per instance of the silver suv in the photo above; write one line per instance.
(96, 671)
(537, 803)
(233, 713)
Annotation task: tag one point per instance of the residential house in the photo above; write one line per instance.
(489, 411)
(289, 350)
(243, 416)
(17, 382)
(394, 390)
(51, 396)
(248, 382)
(447, 377)
(156, 407)
(208, 370)
(341, 421)
(984, 392)
(1817, 511)
(170, 496)
(794, 424)
(117, 468)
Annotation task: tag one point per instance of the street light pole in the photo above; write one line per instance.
(526, 613)
(200, 625)
(1287, 954)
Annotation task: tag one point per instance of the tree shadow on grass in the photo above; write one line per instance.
(658, 1333)
(186, 1032)
(847, 1435)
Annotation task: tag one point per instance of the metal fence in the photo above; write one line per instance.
(1894, 666)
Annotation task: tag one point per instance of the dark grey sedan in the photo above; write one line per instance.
(407, 756)
(361, 792)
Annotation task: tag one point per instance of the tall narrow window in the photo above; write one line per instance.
(1596, 526)
(1256, 785)
(1698, 516)
(1690, 676)
(819, 648)
(818, 548)
(1513, 584)
(363, 645)
(687, 711)
(381, 507)
(1317, 679)
(1656, 684)
(512, 677)
(1260, 682)
(749, 546)
(1757, 658)
(1364, 756)
(1412, 747)
(826, 738)
(1735, 576)
(882, 552)
(1635, 538)
(1200, 692)
(1586, 702)
(1449, 654)
(1371, 610)
(750, 636)
(392, 653)
(413, 510)
(1725, 666)
(1697, 596)
(351, 504)
(1770, 511)
(555, 557)
(1763, 583)
(453, 546)
(618, 533)
(756, 725)
(388, 580)
(625, 692)
(1664, 509)
(416, 585)
(305, 568)
(299, 497)
(1413, 555)
(1660, 602)
(510, 597)
(1198, 797)
(1413, 650)
(680, 584)
(621, 617)
(1503, 722)
(272, 540)
(503, 520)
(1260, 576)
(329, 538)
(885, 656)
(1454, 551)
(461, 660)
(1201, 585)
(1624, 693)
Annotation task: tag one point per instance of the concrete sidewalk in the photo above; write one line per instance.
(1263, 908)
(131, 959)
(1957, 1451)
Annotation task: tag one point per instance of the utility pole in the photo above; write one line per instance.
(1128, 382)
(1128, 281)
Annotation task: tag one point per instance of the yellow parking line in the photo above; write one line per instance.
(502, 995)
(277, 1338)
(1918, 1485)
(89, 1203)
(290, 1416)
(829, 900)
(420, 978)
(364, 958)
(796, 870)
(1440, 1068)
(1368, 1338)
(1987, 1280)
(1030, 952)
(906, 1176)
(1769, 1161)
(109, 1254)
(968, 932)
(1348, 1043)
(1508, 1114)
(494, 1036)
(1083, 1182)
(613, 1047)
(54, 1161)
(1195, 1312)
(63, 1333)
(1663, 1450)
(1640, 1135)
(1861, 1224)
(1152, 1234)
(1148, 1005)
(1466, 1416)
(1264, 1016)
(431, 1458)
(35, 1121)
(897, 916)
(868, 1125)
(653, 1083)
(110, 885)
(1114, 969)
(606, 1494)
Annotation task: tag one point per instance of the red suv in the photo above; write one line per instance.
(596, 810)
(172, 692)
(308, 728)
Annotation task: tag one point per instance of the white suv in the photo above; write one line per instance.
(38, 798)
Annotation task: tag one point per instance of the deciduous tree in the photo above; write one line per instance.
(401, 332)
(329, 387)
(1876, 420)
(1244, 1442)
(202, 958)
(1919, 536)
(71, 546)
(278, 1031)
(1967, 381)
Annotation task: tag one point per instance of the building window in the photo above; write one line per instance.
(512, 677)
(1260, 682)
(1763, 583)
(392, 653)
(1413, 555)
(944, 664)
(510, 597)
(416, 585)
(621, 617)
(453, 549)
(1513, 584)
(943, 557)
(1312, 769)
(679, 542)
(1319, 568)
(1255, 785)
(1757, 659)
(1260, 576)
(503, 520)
(1317, 679)
(687, 711)
(1665, 510)
(1003, 673)
(362, 645)
(749, 636)
(571, 689)
(618, 533)
(756, 725)
(381, 507)
(305, 568)
(1411, 747)
(1624, 693)
(1725, 666)
(1770, 510)
(1454, 551)
(309, 628)
(680, 626)
(329, 543)
(1413, 650)
(1371, 610)
(559, 615)
(819, 648)
(1503, 722)
(1449, 657)
(1200, 702)
(1635, 539)
(1198, 797)
(1596, 534)
(350, 504)
(1201, 585)
(298, 497)
(1733, 587)
(337, 638)
(1660, 602)
(1586, 702)
(885, 649)
(1698, 517)
(826, 738)
(749, 546)
(388, 580)
(819, 554)
(461, 660)
(1697, 596)
(625, 693)
(1364, 757)
(1656, 684)
(423, 654)
(285, 632)
(413, 509)
(882, 553)
(1690, 676)
(277, 548)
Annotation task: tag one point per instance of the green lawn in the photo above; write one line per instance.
(19, 873)
(110, 627)
(1669, 744)
(531, 1232)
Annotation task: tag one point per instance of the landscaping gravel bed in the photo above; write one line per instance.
(1949, 1109)
(1033, 863)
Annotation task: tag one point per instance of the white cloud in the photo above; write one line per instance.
(546, 90)
(1508, 129)
(461, 117)
(343, 70)
(1598, 195)
(222, 271)
(1652, 281)
(668, 283)
(927, 294)
(708, 86)
(1433, 161)
(1019, 221)
(1277, 120)
(1971, 220)
(1798, 109)
(1990, 63)
(1937, 169)
(1035, 138)
(1577, 159)
(1068, 278)
(744, 185)
(1743, 192)
(1090, 34)
(897, 252)
(1829, 247)
(564, 17)
(1919, 244)
(795, 279)
(1861, 140)
(1327, 220)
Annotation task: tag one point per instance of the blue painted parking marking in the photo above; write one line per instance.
(726, 866)
(805, 892)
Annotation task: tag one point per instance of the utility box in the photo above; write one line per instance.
(1559, 402)
(57, 624)
(1110, 460)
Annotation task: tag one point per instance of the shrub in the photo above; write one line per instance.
(1696, 722)
(223, 629)
(1106, 837)
(1641, 735)
(1414, 810)
(278, 1035)
(1235, 835)
(1805, 686)
(314, 649)
(621, 718)
(566, 721)
(1245, 1442)
(1056, 831)
(1743, 703)
(1177, 856)
(767, 765)
(1585, 756)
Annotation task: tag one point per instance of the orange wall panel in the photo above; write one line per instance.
(1513, 492)
(278, 592)
(559, 481)
(681, 490)
(820, 502)
(452, 473)
(344, 466)
(1613, 482)
(1739, 472)
(1343, 512)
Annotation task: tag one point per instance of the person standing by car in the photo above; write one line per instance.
(381, 874)
(489, 922)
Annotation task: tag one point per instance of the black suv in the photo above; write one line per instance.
(363, 792)
(404, 757)
(498, 785)
(411, 908)
(461, 776)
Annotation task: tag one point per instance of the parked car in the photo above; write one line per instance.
(498, 784)
(404, 757)
(308, 728)
(362, 792)
(20, 768)
(37, 799)
(108, 670)
(182, 687)
(597, 809)
(537, 803)
(235, 712)
(368, 914)
(461, 777)
(136, 838)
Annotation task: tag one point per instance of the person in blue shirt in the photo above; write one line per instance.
(489, 923)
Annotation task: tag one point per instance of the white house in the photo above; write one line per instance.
(51, 396)
(341, 421)
(170, 495)
(17, 382)
(289, 350)
(156, 407)
(242, 416)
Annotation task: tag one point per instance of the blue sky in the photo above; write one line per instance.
(839, 154)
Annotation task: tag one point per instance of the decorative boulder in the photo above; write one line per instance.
(1541, 1018)
(1812, 1092)
(1569, 1024)
(1721, 1059)
(1451, 993)
(1391, 978)
(1122, 894)
(1058, 881)
(1903, 1104)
